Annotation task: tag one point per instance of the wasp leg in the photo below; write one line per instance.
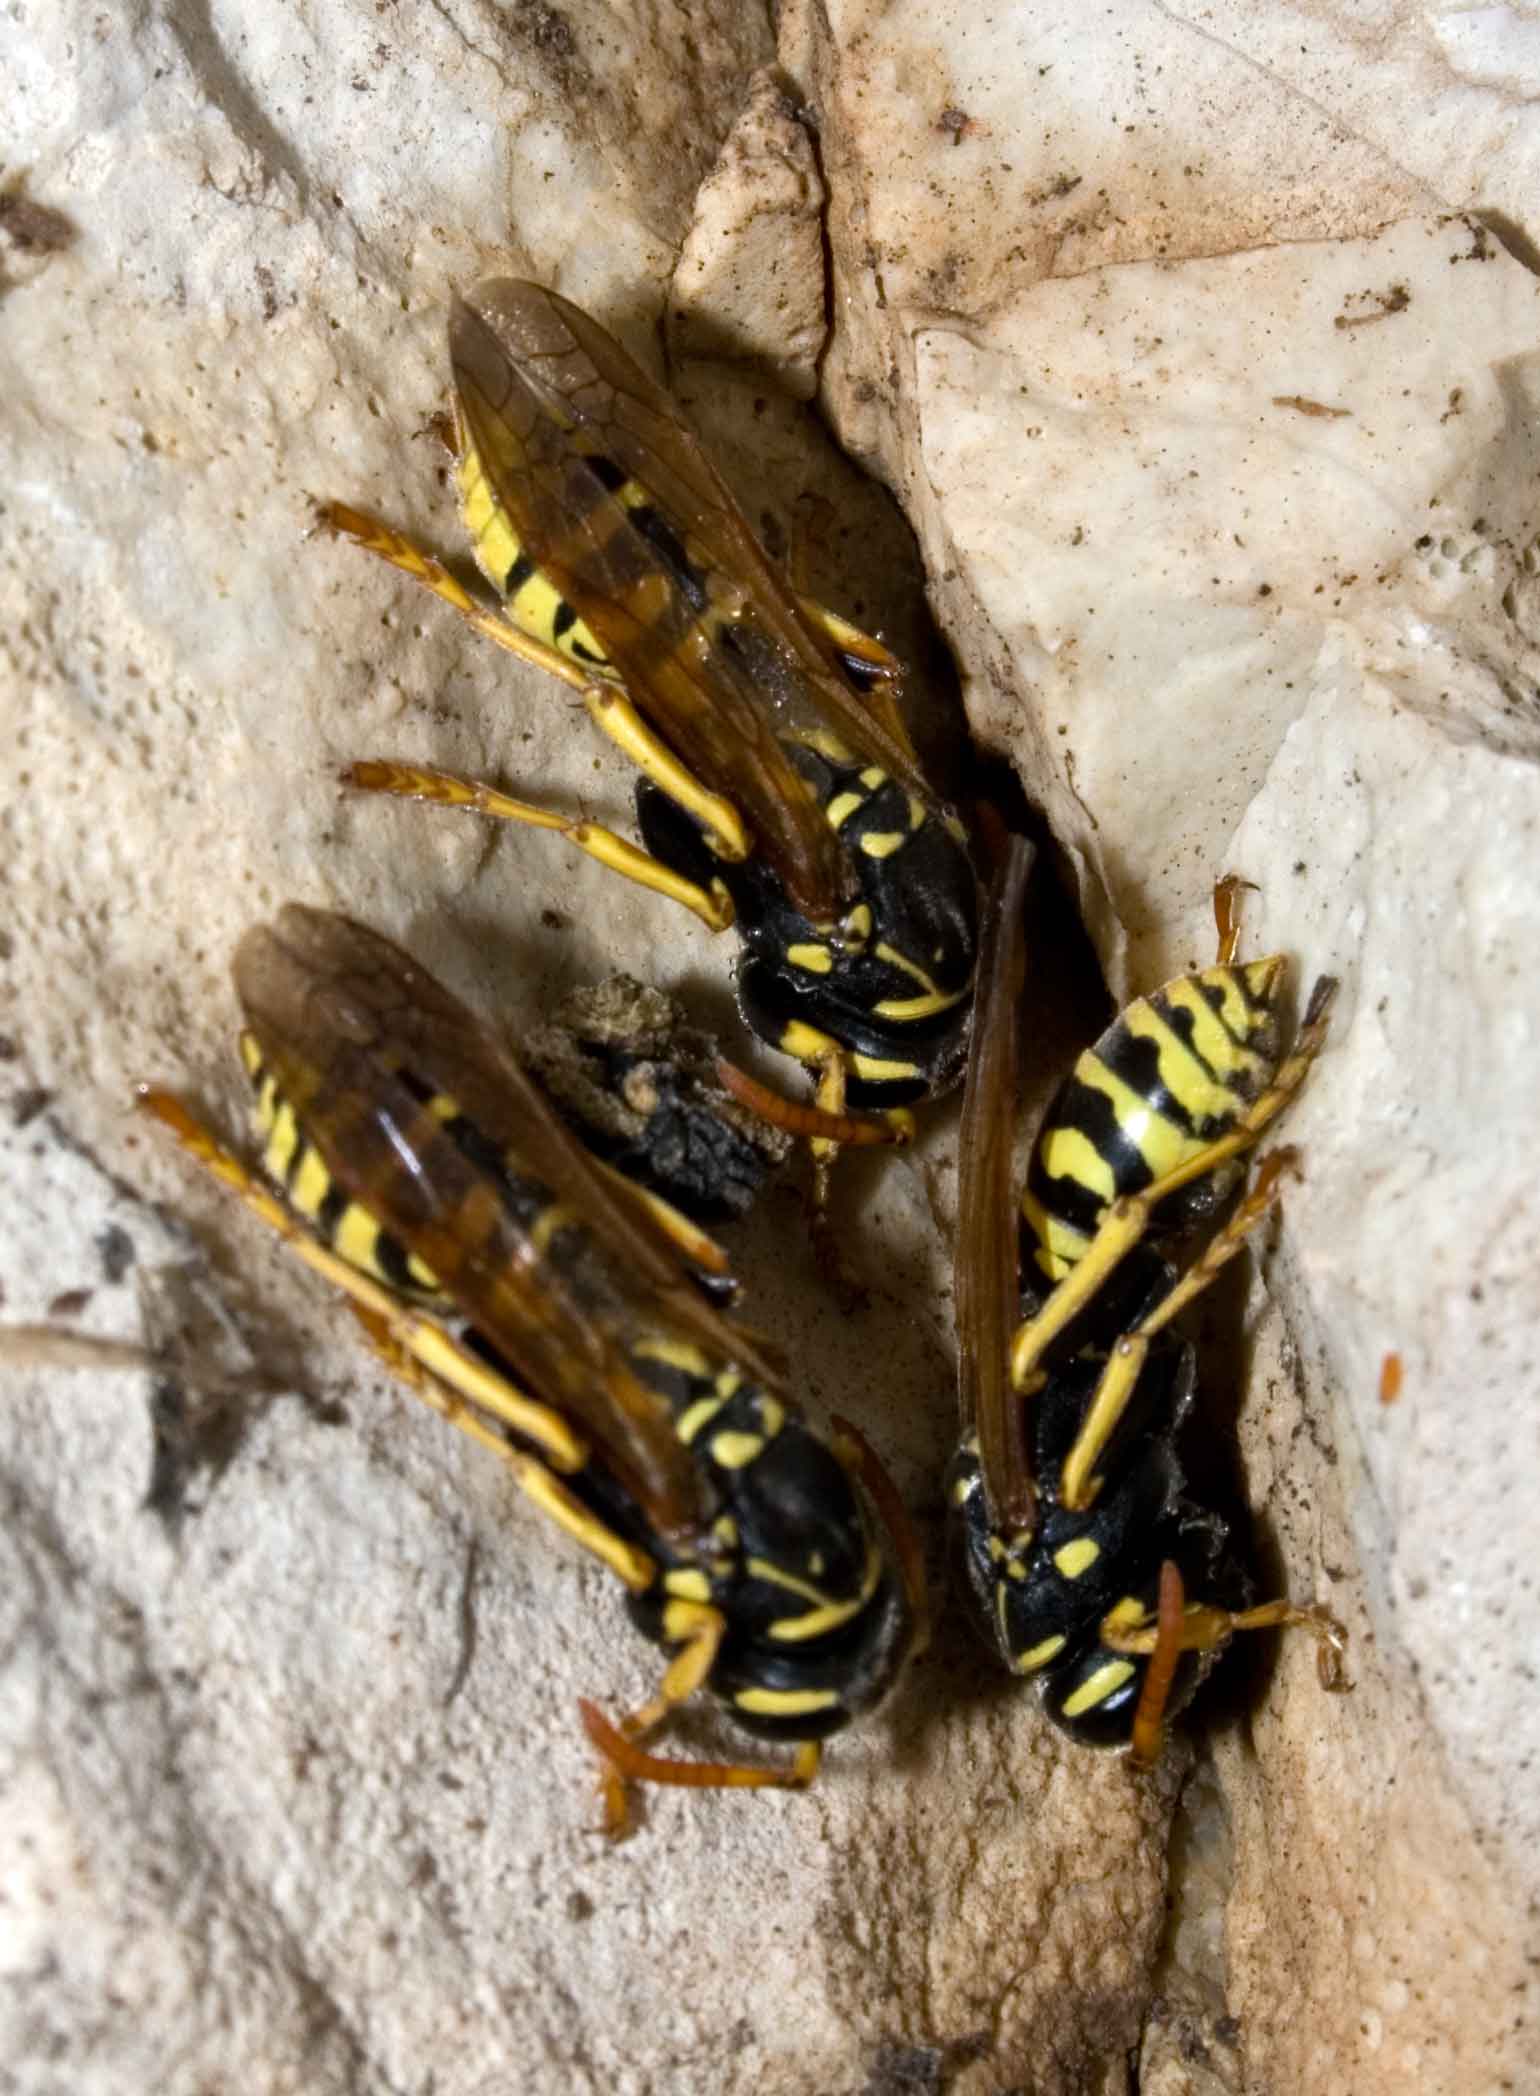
(864, 1464)
(1125, 1221)
(688, 1239)
(1149, 1718)
(390, 1321)
(877, 682)
(795, 1117)
(1205, 1629)
(699, 1628)
(536, 1480)
(398, 551)
(1227, 917)
(613, 712)
(607, 703)
(450, 789)
(1078, 1486)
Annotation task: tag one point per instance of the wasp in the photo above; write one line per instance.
(1090, 1567)
(542, 1303)
(780, 790)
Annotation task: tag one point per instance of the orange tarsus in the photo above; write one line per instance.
(795, 1117)
(1148, 1728)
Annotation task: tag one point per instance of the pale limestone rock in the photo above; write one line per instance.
(290, 1782)
(749, 283)
(1219, 628)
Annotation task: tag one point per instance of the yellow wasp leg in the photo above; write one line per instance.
(611, 710)
(406, 1331)
(1205, 1629)
(535, 1480)
(1077, 1485)
(699, 1629)
(880, 697)
(452, 789)
(606, 702)
(687, 1238)
(398, 551)
(1125, 1221)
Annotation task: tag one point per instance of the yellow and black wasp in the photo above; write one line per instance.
(550, 1309)
(780, 787)
(1087, 1563)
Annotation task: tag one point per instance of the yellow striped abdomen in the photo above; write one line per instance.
(297, 1168)
(534, 604)
(1174, 1070)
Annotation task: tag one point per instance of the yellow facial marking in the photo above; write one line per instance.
(1038, 1655)
(786, 1702)
(904, 1008)
(735, 1451)
(1108, 1678)
(728, 1384)
(877, 1071)
(1076, 1558)
(815, 960)
(858, 922)
(688, 1583)
(825, 1615)
(842, 807)
(881, 844)
(695, 1416)
(675, 1353)
(873, 777)
(725, 1529)
(772, 1415)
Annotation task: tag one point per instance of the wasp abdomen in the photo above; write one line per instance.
(816, 1626)
(1175, 1070)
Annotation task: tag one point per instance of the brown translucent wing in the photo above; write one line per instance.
(612, 497)
(985, 1282)
(358, 1037)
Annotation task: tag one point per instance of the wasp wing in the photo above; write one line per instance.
(985, 1281)
(370, 1051)
(613, 499)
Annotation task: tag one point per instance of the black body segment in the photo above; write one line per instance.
(1040, 1598)
(892, 986)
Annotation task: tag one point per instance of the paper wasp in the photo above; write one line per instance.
(551, 1310)
(780, 790)
(1088, 1565)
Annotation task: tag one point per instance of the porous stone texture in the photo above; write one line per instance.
(1200, 354)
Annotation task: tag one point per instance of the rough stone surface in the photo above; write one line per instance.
(291, 1787)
